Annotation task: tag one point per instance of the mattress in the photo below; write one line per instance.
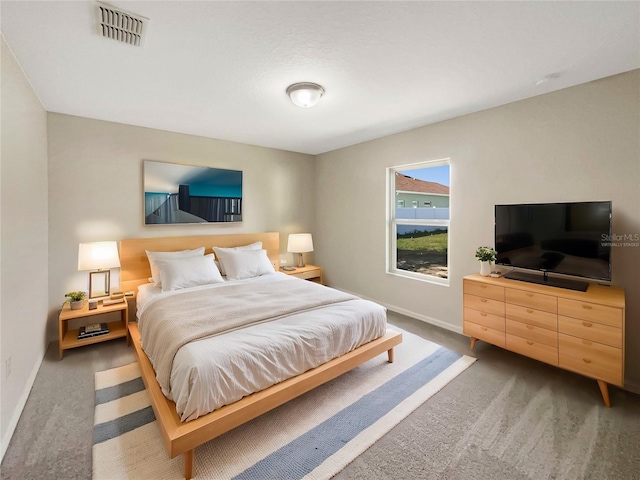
(216, 371)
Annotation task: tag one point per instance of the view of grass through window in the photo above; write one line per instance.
(423, 250)
(422, 220)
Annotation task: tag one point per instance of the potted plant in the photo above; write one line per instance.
(76, 299)
(487, 256)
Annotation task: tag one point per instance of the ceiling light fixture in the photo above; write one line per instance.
(305, 94)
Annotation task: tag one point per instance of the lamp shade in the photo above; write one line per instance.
(98, 255)
(300, 242)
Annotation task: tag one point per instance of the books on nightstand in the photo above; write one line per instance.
(93, 330)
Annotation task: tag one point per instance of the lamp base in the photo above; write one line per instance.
(300, 261)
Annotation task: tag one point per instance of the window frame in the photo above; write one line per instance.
(392, 223)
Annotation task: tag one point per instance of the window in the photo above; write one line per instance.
(418, 236)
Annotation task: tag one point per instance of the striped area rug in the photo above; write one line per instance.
(311, 437)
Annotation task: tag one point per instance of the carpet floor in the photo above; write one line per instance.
(457, 434)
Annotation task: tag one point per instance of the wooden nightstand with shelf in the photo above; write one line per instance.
(69, 338)
(308, 272)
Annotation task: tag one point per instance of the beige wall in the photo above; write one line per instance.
(23, 214)
(95, 190)
(581, 143)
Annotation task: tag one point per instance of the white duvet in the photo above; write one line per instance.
(216, 371)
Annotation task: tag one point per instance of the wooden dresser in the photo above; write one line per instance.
(578, 331)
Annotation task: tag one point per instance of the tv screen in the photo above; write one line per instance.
(565, 238)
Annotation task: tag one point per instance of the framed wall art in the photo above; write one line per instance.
(179, 194)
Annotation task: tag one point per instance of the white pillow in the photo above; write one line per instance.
(153, 256)
(245, 263)
(186, 272)
(251, 246)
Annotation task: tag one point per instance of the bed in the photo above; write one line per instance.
(186, 423)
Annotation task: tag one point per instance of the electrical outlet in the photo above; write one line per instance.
(8, 365)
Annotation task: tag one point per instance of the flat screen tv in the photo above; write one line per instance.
(560, 238)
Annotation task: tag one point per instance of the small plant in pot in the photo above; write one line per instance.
(487, 256)
(76, 299)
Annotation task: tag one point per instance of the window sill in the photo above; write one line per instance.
(420, 277)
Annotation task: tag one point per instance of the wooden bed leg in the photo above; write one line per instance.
(473, 343)
(604, 390)
(188, 464)
(390, 353)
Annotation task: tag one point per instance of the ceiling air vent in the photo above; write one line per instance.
(122, 26)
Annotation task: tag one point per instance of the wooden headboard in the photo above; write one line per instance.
(134, 265)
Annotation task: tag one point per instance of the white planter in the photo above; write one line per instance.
(485, 269)
(77, 305)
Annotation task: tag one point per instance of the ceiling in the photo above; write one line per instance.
(220, 69)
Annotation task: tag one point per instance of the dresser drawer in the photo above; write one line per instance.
(590, 312)
(484, 304)
(489, 335)
(485, 319)
(531, 332)
(596, 332)
(532, 316)
(538, 301)
(483, 290)
(532, 349)
(592, 359)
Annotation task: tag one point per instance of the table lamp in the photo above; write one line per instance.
(98, 256)
(300, 243)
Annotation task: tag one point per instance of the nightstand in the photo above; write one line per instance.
(69, 338)
(308, 272)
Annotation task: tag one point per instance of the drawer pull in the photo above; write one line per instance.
(483, 329)
(529, 294)
(586, 360)
(586, 342)
(588, 307)
(530, 327)
(529, 310)
(482, 314)
(587, 324)
(483, 300)
(529, 343)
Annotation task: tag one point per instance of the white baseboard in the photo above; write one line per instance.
(409, 313)
(424, 318)
(22, 401)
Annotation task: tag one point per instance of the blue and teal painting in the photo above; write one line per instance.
(175, 194)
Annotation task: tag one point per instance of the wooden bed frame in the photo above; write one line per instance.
(182, 437)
